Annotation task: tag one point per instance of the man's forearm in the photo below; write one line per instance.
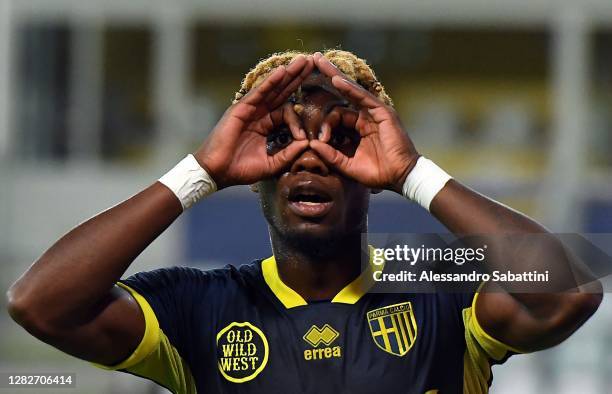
(519, 243)
(82, 266)
(528, 321)
(464, 211)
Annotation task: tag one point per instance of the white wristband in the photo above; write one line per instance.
(424, 181)
(189, 181)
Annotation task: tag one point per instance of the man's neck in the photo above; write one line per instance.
(318, 273)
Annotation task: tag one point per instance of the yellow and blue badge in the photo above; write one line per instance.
(393, 328)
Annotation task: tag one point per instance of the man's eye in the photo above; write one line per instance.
(277, 140)
(345, 140)
(342, 137)
(338, 140)
(283, 139)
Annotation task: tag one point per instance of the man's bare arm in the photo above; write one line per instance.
(524, 321)
(68, 297)
(384, 158)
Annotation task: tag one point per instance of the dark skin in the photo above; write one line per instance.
(85, 314)
(311, 245)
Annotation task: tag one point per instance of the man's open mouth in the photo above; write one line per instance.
(309, 201)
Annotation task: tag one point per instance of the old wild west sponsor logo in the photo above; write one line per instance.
(316, 337)
(242, 352)
(393, 328)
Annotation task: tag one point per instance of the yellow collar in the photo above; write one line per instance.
(290, 298)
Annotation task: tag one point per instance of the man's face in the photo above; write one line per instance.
(309, 200)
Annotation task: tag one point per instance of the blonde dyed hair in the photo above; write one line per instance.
(354, 67)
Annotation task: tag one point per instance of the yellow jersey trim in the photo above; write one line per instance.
(287, 296)
(482, 334)
(476, 359)
(360, 285)
(166, 367)
(350, 294)
(150, 339)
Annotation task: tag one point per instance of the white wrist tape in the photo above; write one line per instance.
(424, 181)
(189, 181)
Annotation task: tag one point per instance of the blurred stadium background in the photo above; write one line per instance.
(99, 98)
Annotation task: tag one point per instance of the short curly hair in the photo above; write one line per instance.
(353, 66)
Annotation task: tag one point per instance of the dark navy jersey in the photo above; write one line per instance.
(242, 330)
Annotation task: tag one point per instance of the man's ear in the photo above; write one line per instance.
(255, 187)
(376, 191)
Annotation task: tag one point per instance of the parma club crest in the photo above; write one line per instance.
(393, 328)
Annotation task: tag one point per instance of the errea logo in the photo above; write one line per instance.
(316, 336)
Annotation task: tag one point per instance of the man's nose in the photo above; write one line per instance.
(311, 162)
(312, 133)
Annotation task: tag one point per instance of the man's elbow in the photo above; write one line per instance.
(589, 298)
(586, 304)
(17, 306)
(24, 311)
(577, 309)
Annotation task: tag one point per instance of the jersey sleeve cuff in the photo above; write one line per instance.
(493, 347)
(150, 340)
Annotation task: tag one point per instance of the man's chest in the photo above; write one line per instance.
(387, 345)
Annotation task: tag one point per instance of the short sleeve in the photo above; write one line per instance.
(166, 298)
(482, 351)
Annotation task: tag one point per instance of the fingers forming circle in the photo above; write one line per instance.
(327, 67)
(353, 91)
(287, 115)
(258, 94)
(356, 93)
(296, 76)
(339, 116)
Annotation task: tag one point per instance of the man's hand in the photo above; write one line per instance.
(235, 152)
(385, 155)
